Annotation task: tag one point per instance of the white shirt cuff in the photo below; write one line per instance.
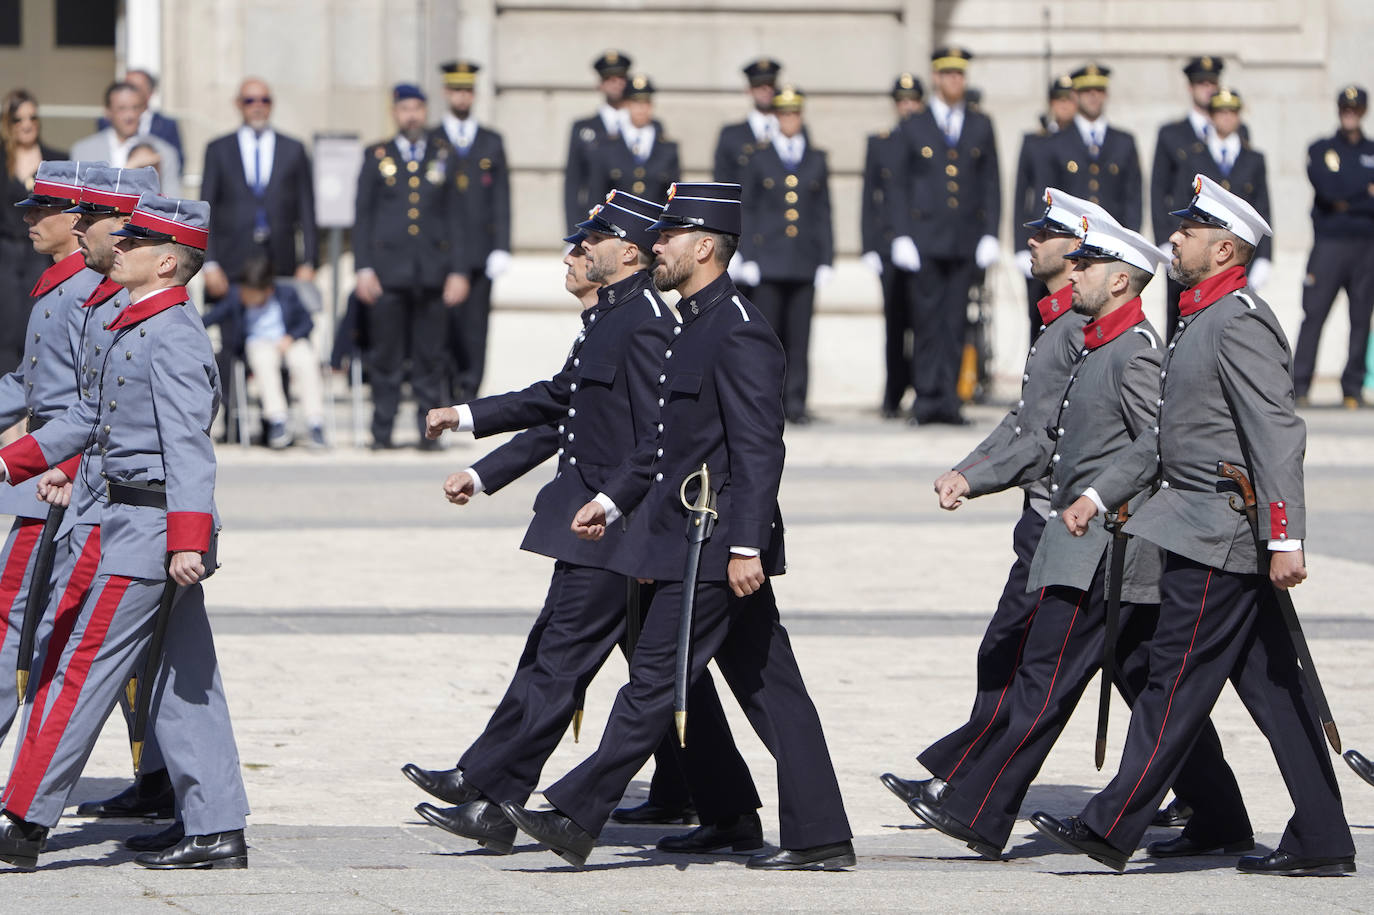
(476, 481)
(612, 513)
(1097, 500)
(745, 550)
(1284, 546)
(465, 423)
(4, 471)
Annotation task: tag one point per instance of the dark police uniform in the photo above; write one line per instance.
(1226, 395)
(1342, 175)
(946, 198)
(788, 232)
(1106, 169)
(587, 134)
(737, 142)
(402, 232)
(479, 215)
(720, 392)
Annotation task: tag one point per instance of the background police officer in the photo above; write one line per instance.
(1034, 173)
(1095, 160)
(1230, 161)
(589, 132)
(737, 142)
(407, 269)
(641, 160)
(479, 223)
(1341, 169)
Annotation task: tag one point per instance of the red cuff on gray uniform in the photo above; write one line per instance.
(1278, 521)
(23, 459)
(189, 531)
(70, 466)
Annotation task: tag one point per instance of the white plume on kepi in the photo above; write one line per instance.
(1107, 239)
(1064, 213)
(1215, 206)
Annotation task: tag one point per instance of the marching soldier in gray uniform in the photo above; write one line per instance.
(737, 142)
(642, 160)
(1109, 399)
(881, 159)
(788, 244)
(1227, 395)
(155, 398)
(1095, 160)
(41, 387)
(612, 68)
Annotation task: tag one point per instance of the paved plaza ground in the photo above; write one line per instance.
(363, 623)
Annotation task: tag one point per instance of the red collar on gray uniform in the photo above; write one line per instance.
(1056, 304)
(102, 293)
(59, 273)
(1210, 290)
(158, 301)
(1107, 328)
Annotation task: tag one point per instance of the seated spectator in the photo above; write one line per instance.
(267, 326)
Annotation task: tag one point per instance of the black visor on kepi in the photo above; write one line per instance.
(44, 200)
(1086, 252)
(576, 238)
(601, 225)
(1196, 215)
(141, 232)
(1044, 222)
(97, 209)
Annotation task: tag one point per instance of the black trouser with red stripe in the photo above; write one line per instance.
(1061, 655)
(16, 567)
(1216, 625)
(998, 655)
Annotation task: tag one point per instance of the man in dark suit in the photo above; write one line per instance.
(409, 269)
(480, 223)
(1034, 173)
(1095, 160)
(150, 123)
(1233, 163)
(642, 159)
(788, 244)
(945, 207)
(720, 399)
(590, 132)
(880, 161)
(737, 142)
(262, 197)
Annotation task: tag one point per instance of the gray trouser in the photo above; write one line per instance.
(190, 719)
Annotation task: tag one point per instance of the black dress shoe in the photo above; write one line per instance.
(1184, 847)
(832, 857)
(1362, 766)
(156, 841)
(1077, 837)
(1177, 813)
(739, 833)
(445, 784)
(150, 795)
(221, 849)
(936, 818)
(479, 820)
(930, 790)
(569, 841)
(887, 412)
(21, 841)
(649, 812)
(1283, 864)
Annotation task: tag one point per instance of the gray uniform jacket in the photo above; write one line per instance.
(1227, 396)
(1110, 399)
(44, 383)
(92, 335)
(155, 399)
(992, 465)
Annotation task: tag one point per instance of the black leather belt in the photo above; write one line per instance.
(36, 423)
(143, 495)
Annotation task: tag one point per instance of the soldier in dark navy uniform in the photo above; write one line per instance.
(944, 207)
(1341, 169)
(479, 214)
(788, 244)
(881, 160)
(737, 142)
(409, 269)
(1095, 160)
(1034, 172)
(612, 68)
(601, 401)
(642, 160)
(1171, 177)
(720, 394)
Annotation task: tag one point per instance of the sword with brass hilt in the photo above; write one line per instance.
(1245, 502)
(1116, 571)
(39, 582)
(701, 520)
(142, 699)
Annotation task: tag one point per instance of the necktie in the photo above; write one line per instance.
(951, 138)
(1226, 161)
(260, 230)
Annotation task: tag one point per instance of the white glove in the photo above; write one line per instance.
(1023, 261)
(904, 254)
(1258, 274)
(498, 262)
(873, 261)
(988, 253)
(749, 274)
(824, 274)
(733, 268)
